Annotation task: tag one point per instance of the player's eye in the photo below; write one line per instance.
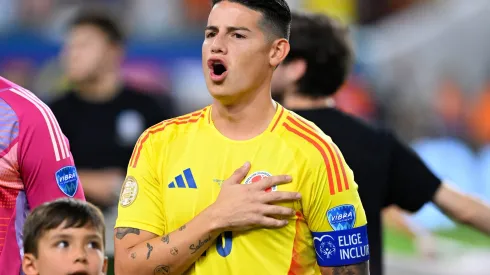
(238, 36)
(62, 244)
(210, 34)
(94, 245)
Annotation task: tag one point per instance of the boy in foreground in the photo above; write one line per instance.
(64, 237)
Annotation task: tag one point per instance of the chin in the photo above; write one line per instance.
(223, 95)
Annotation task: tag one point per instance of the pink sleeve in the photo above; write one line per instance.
(45, 161)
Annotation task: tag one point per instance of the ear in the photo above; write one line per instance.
(296, 69)
(29, 265)
(279, 51)
(105, 266)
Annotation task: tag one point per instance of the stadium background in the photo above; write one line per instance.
(423, 69)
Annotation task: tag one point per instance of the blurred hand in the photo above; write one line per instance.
(426, 246)
(246, 206)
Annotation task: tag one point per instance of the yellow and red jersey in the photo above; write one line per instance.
(177, 169)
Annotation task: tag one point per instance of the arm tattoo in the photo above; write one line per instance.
(196, 247)
(133, 255)
(162, 270)
(174, 251)
(150, 249)
(166, 239)
(356, 269)
(123, 231)
(182, 227)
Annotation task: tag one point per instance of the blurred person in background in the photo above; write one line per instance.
(387, 171)
(36, 166)
(101, 115)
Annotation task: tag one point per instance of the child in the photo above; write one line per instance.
(65, 236)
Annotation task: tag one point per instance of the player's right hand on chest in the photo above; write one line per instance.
(246, 206)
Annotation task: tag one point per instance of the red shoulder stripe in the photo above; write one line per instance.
(195, 118)
(320, 149)
(278, 118)
(305, 127)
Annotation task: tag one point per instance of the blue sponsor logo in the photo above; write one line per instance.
(339, 248)
(342, 217)
(67, 180)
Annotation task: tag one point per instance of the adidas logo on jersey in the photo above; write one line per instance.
(180, 183)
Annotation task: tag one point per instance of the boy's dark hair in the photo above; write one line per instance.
(325, 46)
(276, 13)
(72, 212)
(101, 20)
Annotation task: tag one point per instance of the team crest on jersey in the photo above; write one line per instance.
(129, 191)
(342, 217)
(67, 180)
(257, 176)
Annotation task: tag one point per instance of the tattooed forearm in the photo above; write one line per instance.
(195, 247)
(133, 255)
(174, 251)
(166, 239)
(162, 270)
(357, 269)
(182, 227)
(123, 231)
(150, 249)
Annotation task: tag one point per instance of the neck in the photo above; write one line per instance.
(296, 101)
(246, 117)
(100, 89)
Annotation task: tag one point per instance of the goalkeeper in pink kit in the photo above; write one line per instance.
(35, 166)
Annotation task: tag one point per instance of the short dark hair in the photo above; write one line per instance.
(101, 20)
(73, 213)
(325, 46)
(276, 13)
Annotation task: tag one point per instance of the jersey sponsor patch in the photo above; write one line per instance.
(67, 180)
(342, 217)
(338, 248)
(129, 191)
(257, 176)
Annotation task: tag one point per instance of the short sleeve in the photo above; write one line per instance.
(140, 202)
(334, 212)
(411, 183)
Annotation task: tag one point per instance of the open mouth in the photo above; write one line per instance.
(218, 69)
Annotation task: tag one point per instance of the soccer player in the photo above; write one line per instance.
(65, 236)
(36, 166)
(387, 171)
(180, 211)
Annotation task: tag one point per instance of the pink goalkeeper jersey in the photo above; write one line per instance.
(35, 166)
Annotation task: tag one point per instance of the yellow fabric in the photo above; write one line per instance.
(344, 10)
(291, 145)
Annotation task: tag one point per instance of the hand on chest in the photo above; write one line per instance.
(192, 183)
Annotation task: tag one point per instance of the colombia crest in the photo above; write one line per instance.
(257, 176)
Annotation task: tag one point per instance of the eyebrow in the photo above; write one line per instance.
(93, 236)
(62, 236)
(69, 236)
(228, 29)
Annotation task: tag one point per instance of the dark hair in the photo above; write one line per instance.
(325, 46)
(276, 13)
(101, 20)
(72, 212)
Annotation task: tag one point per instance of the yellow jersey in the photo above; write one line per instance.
(177, 169)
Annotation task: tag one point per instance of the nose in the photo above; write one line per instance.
(81, 255)
(218, 46)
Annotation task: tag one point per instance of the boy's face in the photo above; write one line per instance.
(68, 251)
